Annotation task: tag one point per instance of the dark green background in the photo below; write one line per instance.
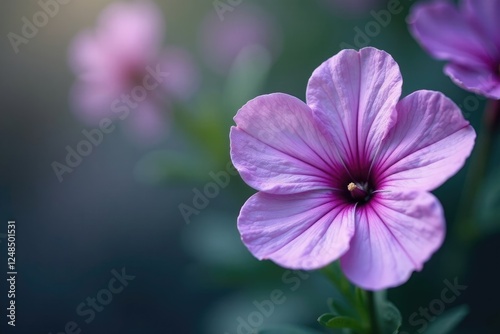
(197, 277)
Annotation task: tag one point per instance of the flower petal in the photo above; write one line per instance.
(354, 94)
(429, 143)
(131, 30)
(86, 54)
(395, 234)
(478, 80)
(277, 147)
(444, 31)
(183, 76)
(301, 231)
(146, 124)
(484, 14)
(93, 101)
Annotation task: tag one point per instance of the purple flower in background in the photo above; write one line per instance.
(221, 41)
(123, 72)
(467, 36)
(347, 176)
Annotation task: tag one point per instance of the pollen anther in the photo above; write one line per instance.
(351, 186)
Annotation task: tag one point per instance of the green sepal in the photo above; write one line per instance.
(332, 321)
(389, 319)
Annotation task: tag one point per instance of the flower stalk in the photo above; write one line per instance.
(362, 308)
(372, 306)
(467, 231)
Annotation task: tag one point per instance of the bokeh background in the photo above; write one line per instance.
(120, 207)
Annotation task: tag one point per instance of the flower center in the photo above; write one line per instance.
(136, 77)
(360, 192)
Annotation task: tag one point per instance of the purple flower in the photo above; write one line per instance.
(123, 72)
(467, 36)
(347, 176)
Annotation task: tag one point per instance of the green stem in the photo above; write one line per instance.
(336, 278)
(335, 275)
(374, 326)
(340, 283)
(466, 230)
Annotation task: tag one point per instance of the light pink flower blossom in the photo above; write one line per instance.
(120, 60)
(467, 36)
(347, 176)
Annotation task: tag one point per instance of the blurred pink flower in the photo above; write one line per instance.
(467, 36)
(221, 41)
(123, 72)
(348, 175)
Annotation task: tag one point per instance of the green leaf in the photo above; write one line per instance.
(331, 321)
(446, 322)
(324, 318)
(389, 319)
(286, 330)
(388, 316)
(338, 308)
